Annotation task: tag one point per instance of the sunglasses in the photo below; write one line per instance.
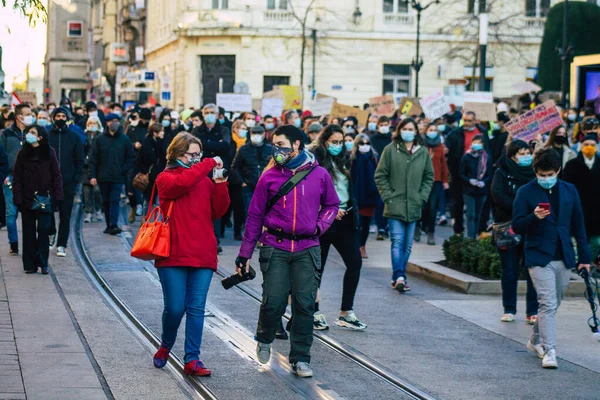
(364, 143)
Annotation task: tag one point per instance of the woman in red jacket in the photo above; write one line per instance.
(186, 274)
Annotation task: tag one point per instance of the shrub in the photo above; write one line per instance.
(477, 257)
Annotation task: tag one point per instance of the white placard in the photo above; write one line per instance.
(321, 106)
(434, 105)
(272, 107)
(234, 102)
(478, 97)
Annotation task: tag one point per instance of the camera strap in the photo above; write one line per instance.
(288, 186)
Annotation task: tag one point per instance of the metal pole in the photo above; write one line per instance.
(483, 38)
(417, 66)
(314, 59)
(564, 55)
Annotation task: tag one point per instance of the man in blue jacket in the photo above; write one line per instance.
(547, 212)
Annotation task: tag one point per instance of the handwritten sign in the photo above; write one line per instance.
(483, 111)
(292, 98)
(543, 118)
(321, 106)
(234, 102)
(383, 105)
(28, 97)
(343, 111)
(272, 107)
(410, 106)
(478, 97)
(435, 105)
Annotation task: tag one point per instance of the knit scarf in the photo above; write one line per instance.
(432, 142)
(482, 165)
(297, 161)
(521, 173)
(239, 141)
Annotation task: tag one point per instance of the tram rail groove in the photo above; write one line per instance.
(198, 388)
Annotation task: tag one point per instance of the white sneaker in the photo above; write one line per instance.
(401, 285)
(320, 322)
(538, 349)
(88, 218)
(138, 210)
(99, 216)
(302, 370)
(549, 360)
(350, 321)
(508, 317)
(61, 252)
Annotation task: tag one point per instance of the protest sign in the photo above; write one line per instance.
(28, 97)
(292, 98)
(478, 97)
(435, 105)
(273, 94)
(383, 105)
(410, 106)
(483, 111)
(234, 102)
(256, 104)
(324, 96)
(528, 126)
(321, 106)
(272, 107)
(342, 111)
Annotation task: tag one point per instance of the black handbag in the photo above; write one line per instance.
(42, 204)
(503, 235)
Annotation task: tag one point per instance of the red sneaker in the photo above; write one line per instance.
(161, 357)
(196, 368)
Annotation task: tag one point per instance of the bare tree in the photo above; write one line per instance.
(302, 19)
(34, 10)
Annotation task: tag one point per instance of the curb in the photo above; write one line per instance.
(468, 284)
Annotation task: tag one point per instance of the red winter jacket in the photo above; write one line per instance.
(198, 202)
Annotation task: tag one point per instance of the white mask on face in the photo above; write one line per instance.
(257, 140)
(364, 148)
(250, 123)
(134, 122)
(384, 130)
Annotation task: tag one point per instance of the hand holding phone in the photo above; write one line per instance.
(544, 206)
(542, 210)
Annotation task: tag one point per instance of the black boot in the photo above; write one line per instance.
(14, 249)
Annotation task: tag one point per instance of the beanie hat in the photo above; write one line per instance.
(590, 137)
(185, 114)
(61, 110)
(503, 117)
(146, 113)
(111, 117)
(90, 105)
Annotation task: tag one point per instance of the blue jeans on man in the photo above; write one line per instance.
(11, 213)
(111, 197)
(402, 235)
(474, 210)
(185, 290)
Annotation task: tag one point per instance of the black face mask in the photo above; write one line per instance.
(60, 123)
(560, 140)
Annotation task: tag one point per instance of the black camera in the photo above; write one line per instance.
(235, 279)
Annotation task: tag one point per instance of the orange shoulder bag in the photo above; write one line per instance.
(153, 241)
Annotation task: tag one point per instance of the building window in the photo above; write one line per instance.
(220, 4)
(272, 4)
(271, 80)
(396, 79)
(395, 7)
(474, 7)
(537, 8)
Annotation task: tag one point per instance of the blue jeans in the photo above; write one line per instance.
(474, 209)
(247, 193)
(11, 214)
(111, 197)
(380, 220)
(512, 261)
(185, 290)
(402, 235)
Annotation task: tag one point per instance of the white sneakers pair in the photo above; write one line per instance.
(548, 358)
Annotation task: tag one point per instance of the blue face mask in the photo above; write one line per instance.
(184, 165)
(166, 123)
(243, 133)
(572, 117)
(297, 122)
(335, 149)
(222, 121)
(441, 128)
(270, 126)
(547, 182)
(372, 126)
(525, 161)
(477, 146)
(93, 128)
(30, 138)
(349, 145)
(210, 119)
(432, 135)
(408, 136)
(43, 122)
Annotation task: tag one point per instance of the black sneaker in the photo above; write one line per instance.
(14, 249)
(380, 235)
(107, 230)
(115, 230)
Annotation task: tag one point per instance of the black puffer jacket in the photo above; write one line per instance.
(214, 141)
(379, 141)
(12, 139)
(69, 150)
(508, 178)
(250, 162)
(112, 157)
(151, 159)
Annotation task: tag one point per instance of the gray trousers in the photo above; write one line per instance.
(551, 283)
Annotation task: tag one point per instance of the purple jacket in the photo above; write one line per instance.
(312, 204)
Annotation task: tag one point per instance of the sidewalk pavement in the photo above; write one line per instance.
(41, 353)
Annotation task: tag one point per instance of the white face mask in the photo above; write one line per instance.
(250, 123)
(28, 120)
(134, 122)
(257, 140)
(384, 130)
(93, 113)
(364, 148)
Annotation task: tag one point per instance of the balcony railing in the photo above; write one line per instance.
(398, 19)
(272, 16)
(535, 23)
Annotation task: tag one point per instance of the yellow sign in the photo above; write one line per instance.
(292, 98)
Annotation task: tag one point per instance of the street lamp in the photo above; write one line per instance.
(483, 39)
(417, 62)
(356, 15)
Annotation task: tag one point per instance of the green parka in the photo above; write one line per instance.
(404, 181)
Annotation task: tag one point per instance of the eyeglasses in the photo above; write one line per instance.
(193, 155)
(364, 143)
(338, 142)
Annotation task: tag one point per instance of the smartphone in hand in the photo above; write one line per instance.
(544, 206)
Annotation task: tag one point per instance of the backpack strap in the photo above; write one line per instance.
(288, 186)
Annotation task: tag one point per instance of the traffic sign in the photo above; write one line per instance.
(149, 76)
(165, 96)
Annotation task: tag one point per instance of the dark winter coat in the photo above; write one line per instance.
(508, 178)
(3, 164)
(12, 139)
(455, 143)
(112, 158)
(151, 159)
(69, 150)
(213, 141)
(362, 172)
(379, 142)
(468, 171)
(36, 170)
(137, 133)
(250, 162)
(587, 183)
(87, 151)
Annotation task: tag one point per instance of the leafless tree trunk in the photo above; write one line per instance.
(302, 20)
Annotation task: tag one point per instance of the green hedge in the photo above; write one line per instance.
(584, 31)
(475, 257)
